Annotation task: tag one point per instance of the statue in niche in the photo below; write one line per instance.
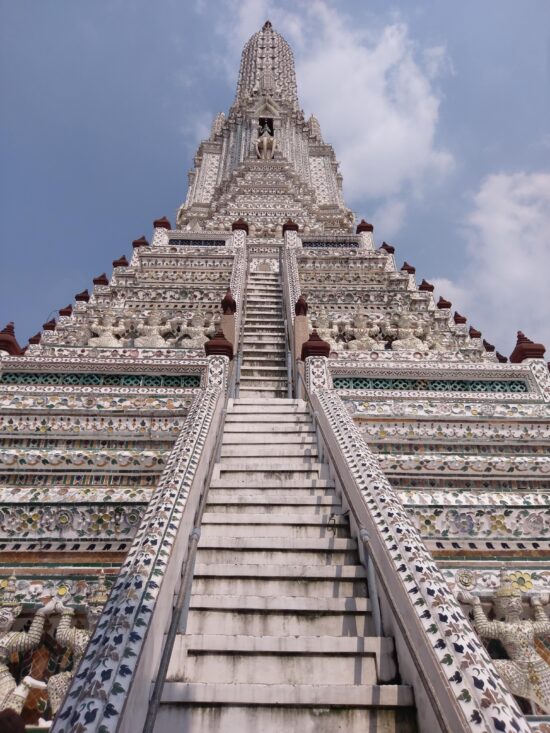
(407, 332)
(152, 333)
(360, 336)
(525, 673)
(327, 332)
(265, 143)
(13, 695)
(75, 641)
(107, 335)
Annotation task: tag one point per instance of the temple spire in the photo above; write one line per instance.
(267, 68)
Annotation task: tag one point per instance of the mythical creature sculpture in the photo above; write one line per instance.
(361, 335)
(327, 332)
(408, 332)
(194, 335)
(525, 673)
(74, 640)
(152, 333)
(266, 143)
(107, 334)
(13, 695)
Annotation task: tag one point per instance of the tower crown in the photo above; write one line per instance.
(267, 68)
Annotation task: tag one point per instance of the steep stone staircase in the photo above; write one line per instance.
(263, 370)
(279, 632)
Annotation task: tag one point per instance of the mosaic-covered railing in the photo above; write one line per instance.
(110, 690)
(448, 666)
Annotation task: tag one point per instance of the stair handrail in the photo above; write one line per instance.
(235, 376)
(178, 622)
(288, 323)
(323, 444)
(450, 709)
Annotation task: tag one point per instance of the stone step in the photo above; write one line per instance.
(263, 384)
(258, 321)
(268, 463)
(232, 500)
(280, 497)
(266, 347)
(199, 707)
(266, 352)
(280, 616)
(246, 401)
(259, 326)
(247, 432)
(300, 586)
(282, 451)
(260, 407)
(265, 368)
(220, 658)
(277, 556)
(254, 420)
(255, 392)
(278, 360)
(264, 289)
(310, 485)
(340, 695)
(250, 338)
(285, 572)
(283, 531)
(256, 309)
(296, 437)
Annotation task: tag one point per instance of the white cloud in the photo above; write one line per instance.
(389, 216)
(504, 287)
(376, 101)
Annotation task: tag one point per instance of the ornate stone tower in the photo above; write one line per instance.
(271, 480)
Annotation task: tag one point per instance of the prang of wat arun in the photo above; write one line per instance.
(258, 479)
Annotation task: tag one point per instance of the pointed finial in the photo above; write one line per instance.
(315, 346)
(140, 242)
(229, 306)
(8, 342)
(162, 223)
(526, 349)
(426, 287)
(239, 225)
(300, 307)
(364, 226)
(219, 346)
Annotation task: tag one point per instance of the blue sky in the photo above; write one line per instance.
(438, 111)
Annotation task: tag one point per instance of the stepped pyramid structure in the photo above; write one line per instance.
(259, 480)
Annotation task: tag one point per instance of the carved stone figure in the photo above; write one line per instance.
(361, 334)
(152, 333)
(107, 334)
(13, 695)
(327, 332)
(194, 335)
(265, 144)
(76, 641)
(407, 331)
(525, 673)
